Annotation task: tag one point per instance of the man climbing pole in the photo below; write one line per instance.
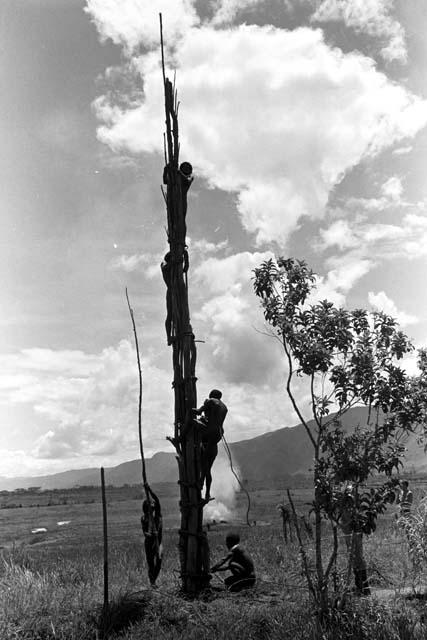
(185, 177)
(211, 432)
(166, 267)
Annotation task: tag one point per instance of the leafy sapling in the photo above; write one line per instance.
(347, 359)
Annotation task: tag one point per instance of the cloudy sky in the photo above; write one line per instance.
(305, 121)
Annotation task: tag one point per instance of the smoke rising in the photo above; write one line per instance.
(224, 489)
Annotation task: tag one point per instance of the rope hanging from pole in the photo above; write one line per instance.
(151, 519)
(227, 449)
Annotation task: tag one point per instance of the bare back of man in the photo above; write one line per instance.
(211, 431)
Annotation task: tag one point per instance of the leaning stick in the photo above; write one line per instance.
(138, 359)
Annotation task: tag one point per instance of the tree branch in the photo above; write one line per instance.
(266, 333)
(313, 405)
(290, 394)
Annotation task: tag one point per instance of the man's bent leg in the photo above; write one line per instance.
(208, 458)
(150, 554)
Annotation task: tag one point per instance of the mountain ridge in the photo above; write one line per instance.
(272, 458)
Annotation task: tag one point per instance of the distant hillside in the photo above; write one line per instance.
(270, 459)
(160, 468)
(274, 457)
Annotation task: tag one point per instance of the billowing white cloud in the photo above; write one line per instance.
(89, 401)
(50, 446)
(147, 263)
(347, 271)
(390, 197)
(393, 188)
(401, 151)
(373, 17)
(385, 241)
(127, 263)
(248, 129)
(343, 273)
(338, 234)
(231, 320)
(18, 461)
(410, 362)
(85, 405)
(360, 240)
(226, 311)
(204, 247)
(240, 350)
(326, 290)
(131, 23)
(363, 245)
(231, 273)
(40, 361)
(226, 10)
(381, 302)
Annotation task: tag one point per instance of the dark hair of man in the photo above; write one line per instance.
(186, 168)
(231, 539)
(215, 393)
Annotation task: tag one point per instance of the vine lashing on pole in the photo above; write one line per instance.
(193, 544)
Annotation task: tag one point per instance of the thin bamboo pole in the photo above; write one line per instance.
(105, 532)
(152, 503)
(138, 360)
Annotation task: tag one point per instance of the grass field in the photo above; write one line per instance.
(51, 583)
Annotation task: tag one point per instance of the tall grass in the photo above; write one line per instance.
(49, 592)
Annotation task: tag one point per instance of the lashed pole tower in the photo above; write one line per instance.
(193, 544)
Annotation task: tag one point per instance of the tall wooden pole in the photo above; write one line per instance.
(105, 532)
(193, 544)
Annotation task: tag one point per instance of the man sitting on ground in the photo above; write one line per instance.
(239, 562)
